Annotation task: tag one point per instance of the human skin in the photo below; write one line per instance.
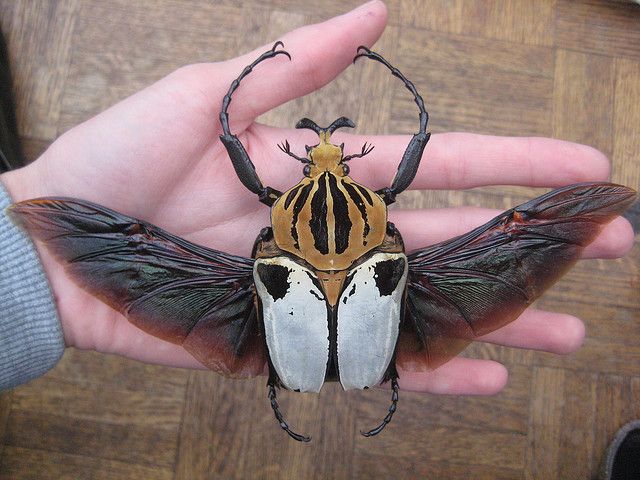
(156, 156)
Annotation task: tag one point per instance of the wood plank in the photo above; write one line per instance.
(576, 436)
(24, 463)
(475, 84)
(545, 417)
(5, 408)
(185, 15)
(466, 447)
(319, 11)
(607, 28)
(389, 465)
(32, 148)
(92, 368)
(138, 54)
(147, 446)
(40, 53)
(614, 408)
(583, 99)
(518, 21)
(224, 417)
(101, 403)
(626, 121)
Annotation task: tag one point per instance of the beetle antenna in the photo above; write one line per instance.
(366, 149)
(392, 410)
(280, 418)
(286, 148)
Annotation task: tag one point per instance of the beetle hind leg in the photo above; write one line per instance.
(389, 416)
(280, 418)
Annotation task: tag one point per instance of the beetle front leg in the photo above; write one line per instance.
(413, 154)
(246, 171)
(242, 164)
(407, 169)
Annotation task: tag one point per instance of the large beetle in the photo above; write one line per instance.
(329, 293)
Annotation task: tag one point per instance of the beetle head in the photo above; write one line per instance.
(325, 156)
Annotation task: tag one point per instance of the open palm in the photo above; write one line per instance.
(157, 156)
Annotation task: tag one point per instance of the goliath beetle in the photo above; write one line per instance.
(329, 293)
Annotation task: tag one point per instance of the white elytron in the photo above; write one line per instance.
(298, 317)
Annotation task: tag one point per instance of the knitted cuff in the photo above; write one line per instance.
(31, 339)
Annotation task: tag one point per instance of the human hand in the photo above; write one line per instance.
(156, 156)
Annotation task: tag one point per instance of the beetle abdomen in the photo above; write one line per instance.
(329, 221)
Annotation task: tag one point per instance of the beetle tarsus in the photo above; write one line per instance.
(280, 418)
(389, 416)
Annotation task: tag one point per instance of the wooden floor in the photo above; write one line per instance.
(566, 69)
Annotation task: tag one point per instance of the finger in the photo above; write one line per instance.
(540, 330)
(450, 160)
(318, 52)
(421, 228)
(465, 160)
(460, 376)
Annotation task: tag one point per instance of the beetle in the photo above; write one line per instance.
(328, 293)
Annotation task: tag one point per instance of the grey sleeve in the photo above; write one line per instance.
(31, 340)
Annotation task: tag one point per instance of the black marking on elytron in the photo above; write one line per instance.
(315, 294)
(388, 274)
(357, 199)
(297, 207)
(363, 191)
(351, 292)
(340, 214)
(291, 196)
(318, 221)
(275, 278)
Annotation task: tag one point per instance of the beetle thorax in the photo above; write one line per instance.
(325, 157)
(327, 219)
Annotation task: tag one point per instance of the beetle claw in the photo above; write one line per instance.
(278, 52)
(366, 53)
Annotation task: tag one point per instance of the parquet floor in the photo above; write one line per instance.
(566, 69)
